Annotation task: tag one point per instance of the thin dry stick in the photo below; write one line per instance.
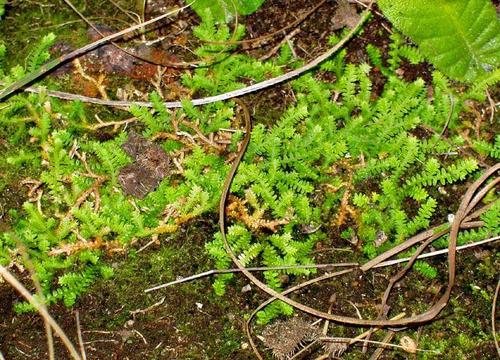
(115, 124)
(79, 333)
(402, 272)
(387, 339)
(304, 350)
(343, 340)
(101, 18)
(153, 240)
(275, 49)
(41, 310)
(262, 268)
(126, 12)
(142, 311)
(176, 104)
(493, 313)
(362, 336)
(261, 39)
(413, 241)
(368, 332)
(482, 193)
(31, 268)
(480, 211)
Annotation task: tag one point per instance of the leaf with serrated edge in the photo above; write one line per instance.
(460, 37)
(223, 10)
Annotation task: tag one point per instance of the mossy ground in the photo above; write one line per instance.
(190, 322)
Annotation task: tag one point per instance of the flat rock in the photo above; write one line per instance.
(151, 165)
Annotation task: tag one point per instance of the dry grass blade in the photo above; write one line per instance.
(44, 69)
(38, 287)
(263, 268)
(422, 237)
(437, 252)
(481, 194)
(384, 344)
(41, 310)
(403, 272)
(387, 339)
(79, 333)
(178, 104)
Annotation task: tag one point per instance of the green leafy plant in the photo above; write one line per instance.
(225, 10)
(461, 38)
(340, 158)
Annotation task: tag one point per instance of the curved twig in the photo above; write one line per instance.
(428, 315)
(437, 252)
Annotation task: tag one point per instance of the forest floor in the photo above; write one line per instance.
(188, 321)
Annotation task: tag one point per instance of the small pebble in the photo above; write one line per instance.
(451, 218)
(129, 323)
